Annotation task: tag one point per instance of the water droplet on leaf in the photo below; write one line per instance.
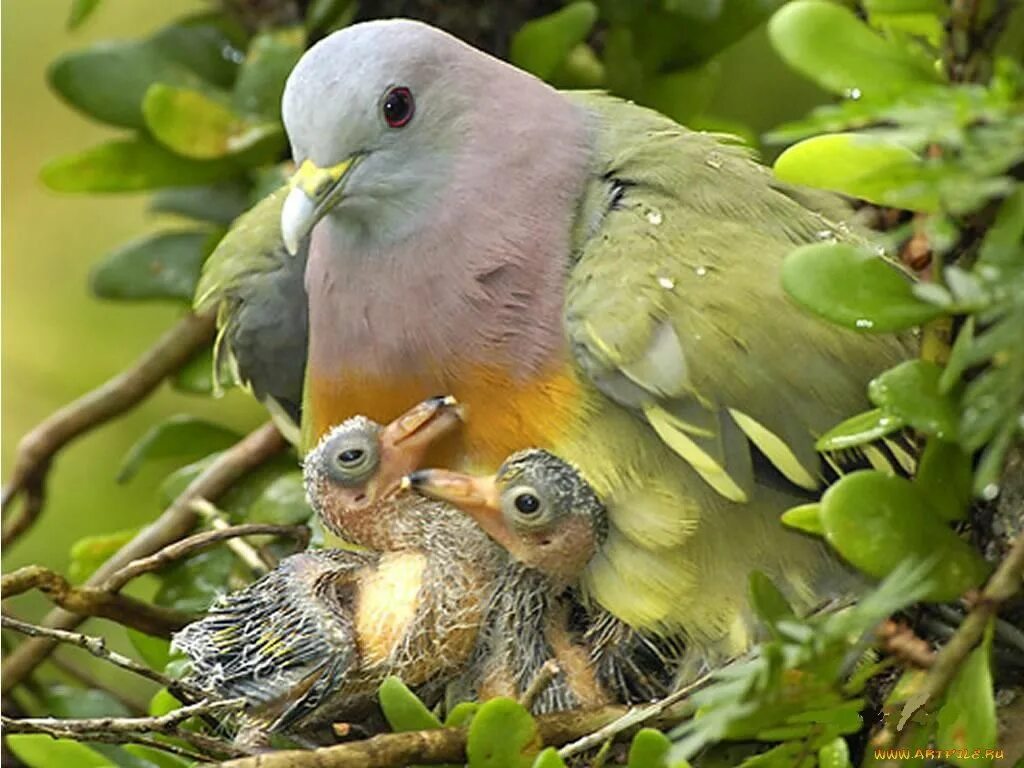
(700, 271)
(864, 323)
(667, 283)
(654, 216)
(990, 491)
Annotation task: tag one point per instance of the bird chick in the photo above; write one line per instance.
(551, 522)
(313, 639)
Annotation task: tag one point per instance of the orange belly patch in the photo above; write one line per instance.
(504, 413)
(387, 603)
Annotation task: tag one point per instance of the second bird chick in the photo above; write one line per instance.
(551, 522)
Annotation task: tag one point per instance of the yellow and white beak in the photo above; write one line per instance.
(314, 192)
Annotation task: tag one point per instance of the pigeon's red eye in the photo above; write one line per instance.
(398, 107)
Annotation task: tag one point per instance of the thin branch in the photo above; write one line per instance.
(90, 601)
(176, 522)
(34, 490)
(242, 549)
(192, 544)
(633, 718)
(95, 645)
(125, 730)
(106, 402)
(545, 675)
(1003, 585)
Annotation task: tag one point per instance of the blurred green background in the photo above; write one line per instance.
(58, 341)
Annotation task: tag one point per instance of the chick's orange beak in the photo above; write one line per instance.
(478, 497)
(406, 440)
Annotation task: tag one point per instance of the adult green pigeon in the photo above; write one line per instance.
(586, 276)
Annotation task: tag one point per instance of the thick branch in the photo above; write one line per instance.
(176, 522)
(1003, 585)
(90, 601)
(102, 404)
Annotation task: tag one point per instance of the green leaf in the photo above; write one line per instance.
(681, 95)
(163, 701)
(767, 600)
(108, 80)
(461, 714)
(40, 751)
(876, 521)
(859, 430)
(1004, 243)
(649, 749)
(859, 165)
(828, 44)
(181, 437)
(581, 69)
(90, 552)
(806, 518)
(502, 735)
(192, 585)
(967, 719)
(542, 45)
(835, 754)
(197, 126)
(67, 701)
(156, 757)
(923, 18)
(164, 266)
(272, 56)
(196, 376)
(216, 203)
(549, 758)
(283, 502)
(208, 44)
(853, 288)
(910, 392)
(328, 15)
(945, 477)
(131, 165)
(403, 709)
(80, 11)
(155, 651)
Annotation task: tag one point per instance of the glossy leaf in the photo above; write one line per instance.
(806, 518)
(649, 749)
(197, 126)
(217, 203)
(461, 714)
(109, 80)
(403, 709)
(90, 552)
(181, 437)
(767, 600)
(163, 701)
(192, 585)
(853, 288)
(41, 751)
(854, 164)
(541, 45)
(283, 502)
(80, 11)
(71, 701)
(208, 44)
(682, 95)
(164, 266)
(876, 521)
(272, 56)
(835, 754)
(924, 18)
(549, 758)
(196, 376)
(945, 477)
(910, 392)
(502, 735)
(859, 430)
(155, 651)
(967, 719)
(131, 165)
(827, 43)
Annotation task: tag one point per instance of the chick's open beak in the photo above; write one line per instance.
(314, 192)
(406, 440)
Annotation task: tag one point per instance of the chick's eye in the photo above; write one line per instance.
(351, 456)
(527, 503)
(398, 107)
